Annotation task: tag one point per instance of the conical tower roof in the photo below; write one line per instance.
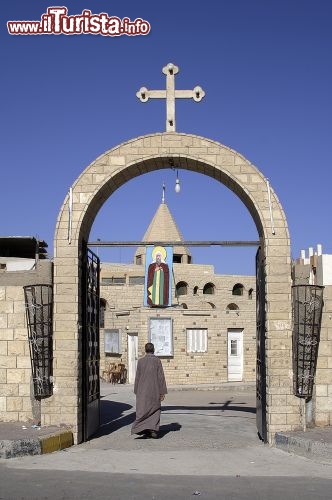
(163, 228)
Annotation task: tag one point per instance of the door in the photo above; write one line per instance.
(132, 356)
(260, 346)
(90, 343)
(235, 355)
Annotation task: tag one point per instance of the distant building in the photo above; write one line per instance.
(315, 268)
(23, 262)
(21, 253)
(208, 334)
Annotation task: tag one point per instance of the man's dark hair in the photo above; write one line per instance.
(149, 348)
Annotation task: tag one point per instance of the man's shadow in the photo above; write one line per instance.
(113, 416)
(163, 430)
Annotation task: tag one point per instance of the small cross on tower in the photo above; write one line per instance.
(170, 94)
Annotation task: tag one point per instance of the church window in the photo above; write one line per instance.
(181, 288)
(195, 290)
(139, 260)
(232, 307)
(112, 342)
(250, 292)
(136, 280)
(177, 258)
(212, 305)
(102, 309)
(208, 289)
(238, 289)
(197, 340)
(113, 281)
(234, 347)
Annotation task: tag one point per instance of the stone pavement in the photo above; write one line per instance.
(18, 439)
(210, 421)
(314, 443)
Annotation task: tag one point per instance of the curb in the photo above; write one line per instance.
(234, 386)
(36, 446)
(56, 442)
(305, 447)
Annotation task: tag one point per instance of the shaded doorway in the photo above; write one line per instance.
(132, 356)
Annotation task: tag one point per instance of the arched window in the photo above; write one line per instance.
(102, 309)
(250, 292)
(181, 288)
(177, 258)
(232, 307)
(195, 290)
(184, 305)
(212, 305)
(208, 289)
(238, 289)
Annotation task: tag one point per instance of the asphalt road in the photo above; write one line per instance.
(208, 449)
(72, 485)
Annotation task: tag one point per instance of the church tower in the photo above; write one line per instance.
(163, 228)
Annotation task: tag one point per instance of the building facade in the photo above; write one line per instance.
(209, 329)
(23, 263)
(315, 268)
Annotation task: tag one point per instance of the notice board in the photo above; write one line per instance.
(161, 335)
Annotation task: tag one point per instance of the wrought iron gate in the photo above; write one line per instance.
(307, 316)
(260, 346)
(39, 313)
(90, 342)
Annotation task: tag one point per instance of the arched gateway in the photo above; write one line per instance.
(93, 187)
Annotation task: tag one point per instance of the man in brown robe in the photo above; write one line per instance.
(150, 389)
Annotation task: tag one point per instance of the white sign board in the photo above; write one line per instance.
(161, 335)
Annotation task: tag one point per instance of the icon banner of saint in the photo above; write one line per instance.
(158, 276)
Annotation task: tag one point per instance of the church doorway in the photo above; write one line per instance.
(95, 185)
(132, 356)
(235, 354)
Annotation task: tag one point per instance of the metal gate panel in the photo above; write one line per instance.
(307, 316)
(90, 342)
(39, 314)
(260, 346)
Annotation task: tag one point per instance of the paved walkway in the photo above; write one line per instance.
(210, 430)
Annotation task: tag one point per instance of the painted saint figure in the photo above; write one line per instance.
(158, 279)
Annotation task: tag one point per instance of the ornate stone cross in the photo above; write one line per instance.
(170, 94)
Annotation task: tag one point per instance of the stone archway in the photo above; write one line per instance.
(95, 185)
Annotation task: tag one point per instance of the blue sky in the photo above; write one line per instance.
(266, 68)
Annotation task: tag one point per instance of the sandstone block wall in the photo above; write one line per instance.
(322, 400)
(125, 312)
(17, 402)
(204, 156)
